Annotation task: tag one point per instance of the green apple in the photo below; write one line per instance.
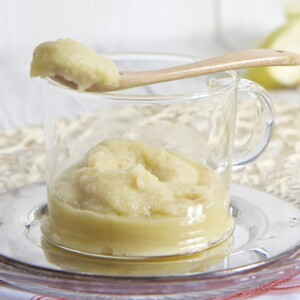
(287, 38)
(292, 9)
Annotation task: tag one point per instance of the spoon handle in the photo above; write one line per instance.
(231, 61)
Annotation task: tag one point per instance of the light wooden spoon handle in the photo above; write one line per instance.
(231, 61)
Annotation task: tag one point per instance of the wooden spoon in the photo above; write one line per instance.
(231, 61)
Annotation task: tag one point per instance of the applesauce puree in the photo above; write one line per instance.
(74, 63)
(127, 198)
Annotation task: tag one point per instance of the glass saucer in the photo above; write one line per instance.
(265, 245)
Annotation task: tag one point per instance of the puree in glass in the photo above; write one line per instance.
(128, 198)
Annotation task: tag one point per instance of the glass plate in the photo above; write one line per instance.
(265, 246)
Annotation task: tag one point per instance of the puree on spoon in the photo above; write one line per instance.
(74, 64)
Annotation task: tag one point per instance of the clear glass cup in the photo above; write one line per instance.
(146, 172)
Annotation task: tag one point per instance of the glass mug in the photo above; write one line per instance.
(146, 172)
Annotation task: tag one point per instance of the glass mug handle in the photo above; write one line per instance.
(261, 135)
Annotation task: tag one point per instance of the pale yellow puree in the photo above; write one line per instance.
(73, 62)
(127, 198)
